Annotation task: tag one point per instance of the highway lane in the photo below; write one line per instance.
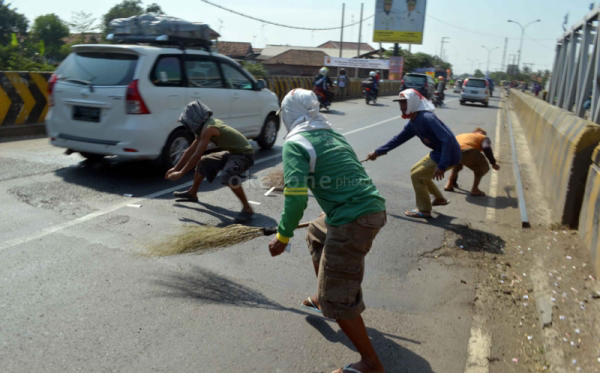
(82, 298)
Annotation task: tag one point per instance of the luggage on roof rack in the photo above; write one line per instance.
(159, 29)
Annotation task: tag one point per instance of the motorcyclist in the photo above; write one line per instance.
(323, 85)
(441, 87)
(373, 83)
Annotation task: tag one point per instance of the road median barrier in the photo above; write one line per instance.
(23, 102)
(562, 145)
(590, 213)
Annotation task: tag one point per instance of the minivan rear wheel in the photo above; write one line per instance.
(92, 157)
(179, 141)
(268, 135)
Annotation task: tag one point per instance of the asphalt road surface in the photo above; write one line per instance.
(78, 295)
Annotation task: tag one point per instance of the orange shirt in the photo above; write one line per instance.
(470, 141)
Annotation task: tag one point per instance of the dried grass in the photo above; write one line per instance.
(274, 179)
(201, 239)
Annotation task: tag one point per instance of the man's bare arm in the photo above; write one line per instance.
(187, 154)
(204, 140)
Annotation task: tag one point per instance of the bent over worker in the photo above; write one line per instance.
(317, 158)
(434, 134)
(471, 145)
(236, 157)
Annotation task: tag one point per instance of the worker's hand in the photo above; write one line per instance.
(276, 247)
(496, 166)
(174, 176)
(372, 156)
(170, 172)
(438, 174)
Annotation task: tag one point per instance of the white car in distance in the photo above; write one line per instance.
(125, 100)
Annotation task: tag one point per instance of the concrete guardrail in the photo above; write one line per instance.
(562, 145)
(590, 213)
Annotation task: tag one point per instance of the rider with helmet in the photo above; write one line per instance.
(323, 85)
(372, 83)
(441, 87)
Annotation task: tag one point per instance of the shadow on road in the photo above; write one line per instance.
(226, 216)
(502, 202)
(119, 176)
(394, 357)
(336, 112)
(468, 239)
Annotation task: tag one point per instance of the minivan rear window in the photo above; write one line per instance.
(476, 83)
(414, 79)
(99, 68)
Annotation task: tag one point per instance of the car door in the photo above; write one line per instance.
(166, 97)
(245, 102)
(205, 83)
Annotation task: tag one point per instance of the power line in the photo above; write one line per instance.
(282, 25)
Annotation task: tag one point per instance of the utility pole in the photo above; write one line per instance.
(504, 54)
(472, 65)
(442, 46)
(359, 35)
(488, 59)
(522, 34)
(342, 36)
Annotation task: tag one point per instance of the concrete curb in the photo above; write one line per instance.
(10, 133)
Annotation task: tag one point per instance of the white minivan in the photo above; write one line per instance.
(125, 100)
(475, 90)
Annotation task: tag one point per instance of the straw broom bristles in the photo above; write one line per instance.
(201, 239)
(274, 179)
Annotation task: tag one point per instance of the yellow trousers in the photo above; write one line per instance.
(422, 179)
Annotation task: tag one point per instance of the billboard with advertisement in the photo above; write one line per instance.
(361, 63)
(396, 67)
(399, 21)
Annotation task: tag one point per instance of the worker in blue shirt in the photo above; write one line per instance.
(445, 154)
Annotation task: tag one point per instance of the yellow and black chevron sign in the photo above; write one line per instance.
(23, 97)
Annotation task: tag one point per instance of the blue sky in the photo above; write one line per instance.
(469, 23)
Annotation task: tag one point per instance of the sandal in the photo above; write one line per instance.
(243, 217)
(440, 204)
(186, 196)
(348, 368)
(312, 307)
(417, 214)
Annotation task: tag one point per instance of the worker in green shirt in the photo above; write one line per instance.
(236, 157)
(317, 158)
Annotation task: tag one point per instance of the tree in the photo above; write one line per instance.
(256, 69)
(82, 23)
(418, 60)
(478, 74)
(50, 30)
(128, 8)
(10, 22)
(154, 8)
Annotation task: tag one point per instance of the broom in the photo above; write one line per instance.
(200, 239)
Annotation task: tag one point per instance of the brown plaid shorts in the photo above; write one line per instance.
(340, 252)
(476, 161)
(232, 165)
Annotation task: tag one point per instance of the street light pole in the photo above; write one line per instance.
(472, 65)
(488, 60)
(522, 34)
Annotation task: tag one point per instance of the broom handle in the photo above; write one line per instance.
(304, 225)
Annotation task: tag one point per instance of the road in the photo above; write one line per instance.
(78, 295)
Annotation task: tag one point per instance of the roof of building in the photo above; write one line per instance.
(234, 48)
(346, 45)
(274, 50)
(298, 57)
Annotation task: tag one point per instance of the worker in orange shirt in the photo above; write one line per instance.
(472, 145)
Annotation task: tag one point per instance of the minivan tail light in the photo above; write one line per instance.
(51, 82)
(134, 102)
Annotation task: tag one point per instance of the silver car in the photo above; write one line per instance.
(475, 90)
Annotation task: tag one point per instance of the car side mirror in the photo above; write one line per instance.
(260, 85)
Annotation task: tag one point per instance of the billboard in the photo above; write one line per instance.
(361, 63)
(396, 67)
(399, 21)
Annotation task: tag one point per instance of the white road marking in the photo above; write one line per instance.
(132, 201)
(490, 211)
(480, 342)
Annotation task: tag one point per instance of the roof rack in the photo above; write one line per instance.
(163, 40)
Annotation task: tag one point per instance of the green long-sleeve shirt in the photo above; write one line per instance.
(325, 163)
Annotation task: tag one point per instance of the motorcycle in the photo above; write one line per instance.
(438, 101)
(323, 103)
(369, 96)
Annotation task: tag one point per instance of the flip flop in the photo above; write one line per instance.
(348, 368)
(449, 189)
(312, 306)
(441, 204)
(479, 195)
(416, 214)
(185, 196)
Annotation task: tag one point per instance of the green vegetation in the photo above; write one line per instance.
(256, 69)
(419, 60)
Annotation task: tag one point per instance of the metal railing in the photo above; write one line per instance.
(576, 68)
